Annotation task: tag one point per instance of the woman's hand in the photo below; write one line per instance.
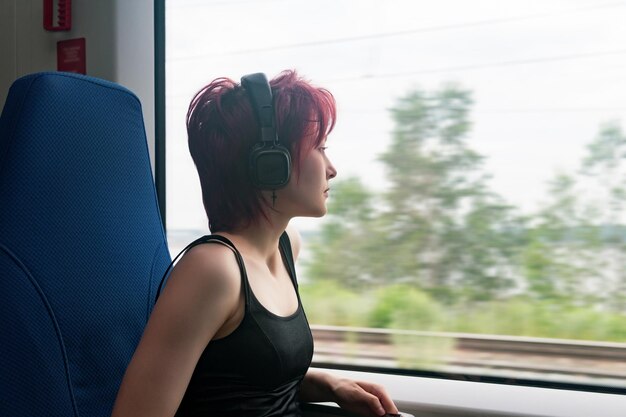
(364, 398)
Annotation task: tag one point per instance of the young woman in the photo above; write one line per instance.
(228, 335)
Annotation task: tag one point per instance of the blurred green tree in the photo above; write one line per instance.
(451, 234)
(604, 164)
(561, 251)
(438, 226)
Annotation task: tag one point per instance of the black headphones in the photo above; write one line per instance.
(269, 161)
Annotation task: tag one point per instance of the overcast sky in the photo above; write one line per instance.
(544, 75)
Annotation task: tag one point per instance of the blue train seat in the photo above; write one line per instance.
(82, 246)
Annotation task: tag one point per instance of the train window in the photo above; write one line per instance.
(477, 227)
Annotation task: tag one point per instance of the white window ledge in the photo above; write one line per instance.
(439, 397)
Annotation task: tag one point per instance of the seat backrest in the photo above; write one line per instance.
(82, 247)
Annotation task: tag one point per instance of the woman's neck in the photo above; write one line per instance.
(259, 240)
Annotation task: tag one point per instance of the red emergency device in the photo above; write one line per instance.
(63, 18)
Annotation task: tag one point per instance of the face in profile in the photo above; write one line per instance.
(306, 193)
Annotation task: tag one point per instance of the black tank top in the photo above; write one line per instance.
(256, 370)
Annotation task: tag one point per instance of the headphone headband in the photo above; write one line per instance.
(269, 161)
(260, 93)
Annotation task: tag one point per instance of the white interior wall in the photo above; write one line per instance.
(119, 38)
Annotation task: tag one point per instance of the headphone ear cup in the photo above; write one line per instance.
(270, 166)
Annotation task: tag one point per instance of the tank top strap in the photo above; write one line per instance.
(223, 241)
(285, 247)
(242, 268)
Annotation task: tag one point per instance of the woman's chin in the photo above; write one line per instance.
(321, 212)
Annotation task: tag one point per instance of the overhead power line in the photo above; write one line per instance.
(401, 33)
(510, 63)
(480, 66)
(505, 110)
(176, 4)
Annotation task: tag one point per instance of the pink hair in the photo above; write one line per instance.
(222, 128)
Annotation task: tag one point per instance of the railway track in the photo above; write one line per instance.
(505, 356)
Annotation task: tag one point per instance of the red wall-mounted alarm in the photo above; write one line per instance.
(63, 18)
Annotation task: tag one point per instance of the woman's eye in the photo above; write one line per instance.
(323, 148)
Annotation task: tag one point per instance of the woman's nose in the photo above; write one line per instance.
(331, 170)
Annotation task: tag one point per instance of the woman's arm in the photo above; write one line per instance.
(201, 296)
(362, 397)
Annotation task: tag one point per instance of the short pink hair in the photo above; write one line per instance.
(222, 128)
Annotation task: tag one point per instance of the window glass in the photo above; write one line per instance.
(476, 225)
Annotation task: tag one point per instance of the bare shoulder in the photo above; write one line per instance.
(206, 276)
(296, 240)
(209, 266)
(214, 256)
